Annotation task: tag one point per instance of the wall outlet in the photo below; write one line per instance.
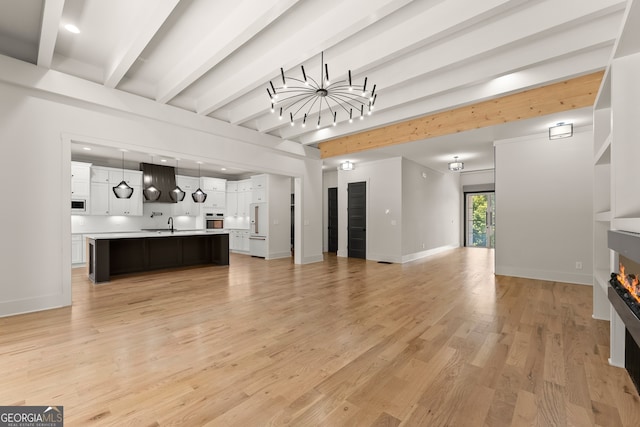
(578, 265)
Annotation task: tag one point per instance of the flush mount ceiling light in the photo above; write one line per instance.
(346, 166)
(561, 130)
(199, 196)
(456, 165)
(177, 195)
(122, 190)
(72, 29)
(300, 98)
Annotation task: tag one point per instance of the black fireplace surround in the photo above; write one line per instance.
(627, 245)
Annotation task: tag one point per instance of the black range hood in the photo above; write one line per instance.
(161, 177)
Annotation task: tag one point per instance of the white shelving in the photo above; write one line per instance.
(605, 216)
(616, 160)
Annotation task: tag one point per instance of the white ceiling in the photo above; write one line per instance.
(216, 58)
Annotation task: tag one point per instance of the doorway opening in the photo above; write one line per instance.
(480, 220)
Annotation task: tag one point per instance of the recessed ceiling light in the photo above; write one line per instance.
(72, 28)
(163, 160)
(223, 169)
(86, 148)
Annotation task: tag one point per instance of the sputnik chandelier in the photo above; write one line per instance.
(297, 99)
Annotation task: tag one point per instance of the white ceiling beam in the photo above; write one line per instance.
(221, 42)
(489, 65)
(548, 73)
(132, 44)
(51, 16)
(331, 24)
(486, 41)
(432, 23)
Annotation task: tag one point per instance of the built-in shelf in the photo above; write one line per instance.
(603, 99)
(603, 216)
(626, 224)
(603, 155)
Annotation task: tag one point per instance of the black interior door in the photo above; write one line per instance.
(357, 217)
(333, 220)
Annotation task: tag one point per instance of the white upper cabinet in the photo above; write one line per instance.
(216, 190)
(259, 188)
(81, 181)
(104, 201)
(187, 206)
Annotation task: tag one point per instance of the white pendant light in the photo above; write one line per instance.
(122, 190)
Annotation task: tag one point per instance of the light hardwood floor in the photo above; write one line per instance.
(437, 342)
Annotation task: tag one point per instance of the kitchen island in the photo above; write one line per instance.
(111, 254)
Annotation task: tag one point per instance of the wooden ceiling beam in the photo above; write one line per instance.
(567, 95)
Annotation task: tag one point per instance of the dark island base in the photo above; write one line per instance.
(109, 257)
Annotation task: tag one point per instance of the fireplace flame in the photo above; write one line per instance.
(630, 282)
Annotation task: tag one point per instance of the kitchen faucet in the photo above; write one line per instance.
(170, 221)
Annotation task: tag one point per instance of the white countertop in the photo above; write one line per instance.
(139, 234)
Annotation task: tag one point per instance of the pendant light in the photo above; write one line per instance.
(122, 190)
(199, 196)
(177, 194)
(151, 193)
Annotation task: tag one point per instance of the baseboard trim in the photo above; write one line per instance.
(551, 276)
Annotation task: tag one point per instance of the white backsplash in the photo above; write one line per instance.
(106, 224)
(236, 222)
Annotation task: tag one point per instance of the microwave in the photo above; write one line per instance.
(78, 206)
(213, 221)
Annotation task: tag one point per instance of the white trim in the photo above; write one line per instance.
(552, 276)
(424, 254)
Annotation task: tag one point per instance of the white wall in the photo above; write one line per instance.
(279, 240)
(384, 208)
(544, 207)
(408, 216)
(477, 177)
(36, 131)
(431, 205)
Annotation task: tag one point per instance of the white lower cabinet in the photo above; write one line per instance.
(239, 240)
(244, 241)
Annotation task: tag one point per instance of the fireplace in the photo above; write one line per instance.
(624, 295)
